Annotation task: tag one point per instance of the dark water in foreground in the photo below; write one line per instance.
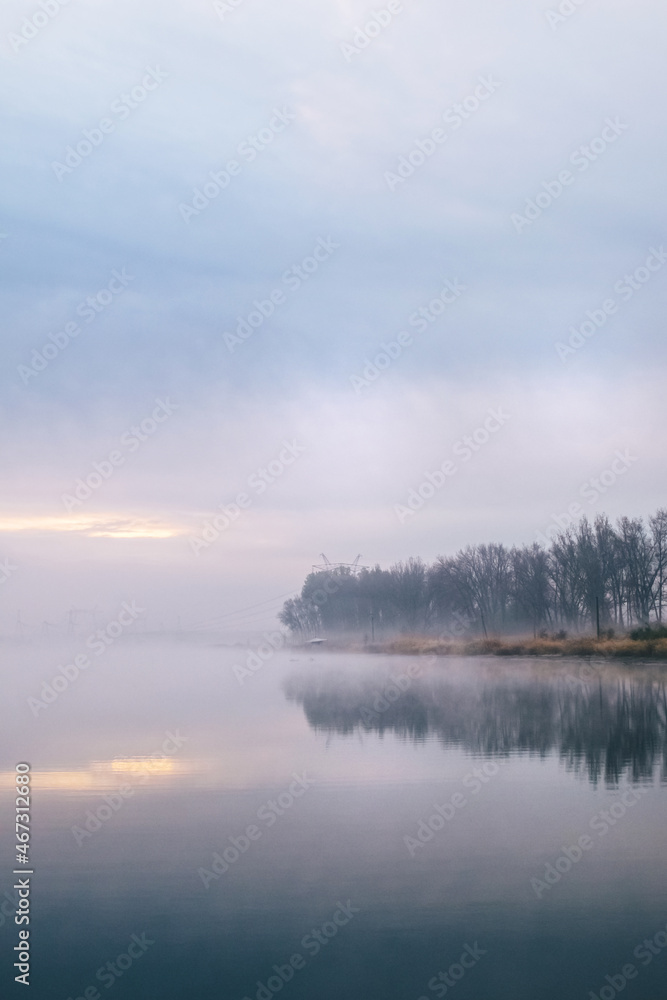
(473, 829)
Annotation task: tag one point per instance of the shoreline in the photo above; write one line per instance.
(621, 648)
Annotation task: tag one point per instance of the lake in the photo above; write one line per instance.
(321, 825)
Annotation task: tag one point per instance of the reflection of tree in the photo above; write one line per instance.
(605, 730)
(615, 730)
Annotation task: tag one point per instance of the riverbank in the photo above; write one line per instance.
(623, 647)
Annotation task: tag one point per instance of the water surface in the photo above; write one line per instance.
(362, 823)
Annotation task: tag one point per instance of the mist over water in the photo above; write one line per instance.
(227, 820)
(336, 323)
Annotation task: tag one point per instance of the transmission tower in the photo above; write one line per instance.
(326, 566)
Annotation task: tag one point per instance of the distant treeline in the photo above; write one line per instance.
(590, 572)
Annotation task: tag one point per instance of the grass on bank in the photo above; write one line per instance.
(647, 642)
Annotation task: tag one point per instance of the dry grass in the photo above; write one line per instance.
(578, 646)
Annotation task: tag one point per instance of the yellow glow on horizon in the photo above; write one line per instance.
(146, 531)
(92, 525)
(143, 765)
(100, 775)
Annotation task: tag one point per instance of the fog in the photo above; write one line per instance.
(275, 324)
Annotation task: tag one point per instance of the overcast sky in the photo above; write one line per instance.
(499, 166)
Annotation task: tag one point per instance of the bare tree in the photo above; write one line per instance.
(620, 572)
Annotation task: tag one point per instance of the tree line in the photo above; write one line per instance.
(592, 574)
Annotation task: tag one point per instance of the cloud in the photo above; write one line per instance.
(322, 177)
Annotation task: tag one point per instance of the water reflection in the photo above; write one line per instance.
(205, 757)
(101, 775)
(606, 729)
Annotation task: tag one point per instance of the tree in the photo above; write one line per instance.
(621, 570)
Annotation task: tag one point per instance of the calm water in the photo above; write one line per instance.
(338, 826)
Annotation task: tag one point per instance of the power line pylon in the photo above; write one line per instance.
(326, 566)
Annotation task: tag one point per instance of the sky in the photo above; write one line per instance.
(381, 279)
